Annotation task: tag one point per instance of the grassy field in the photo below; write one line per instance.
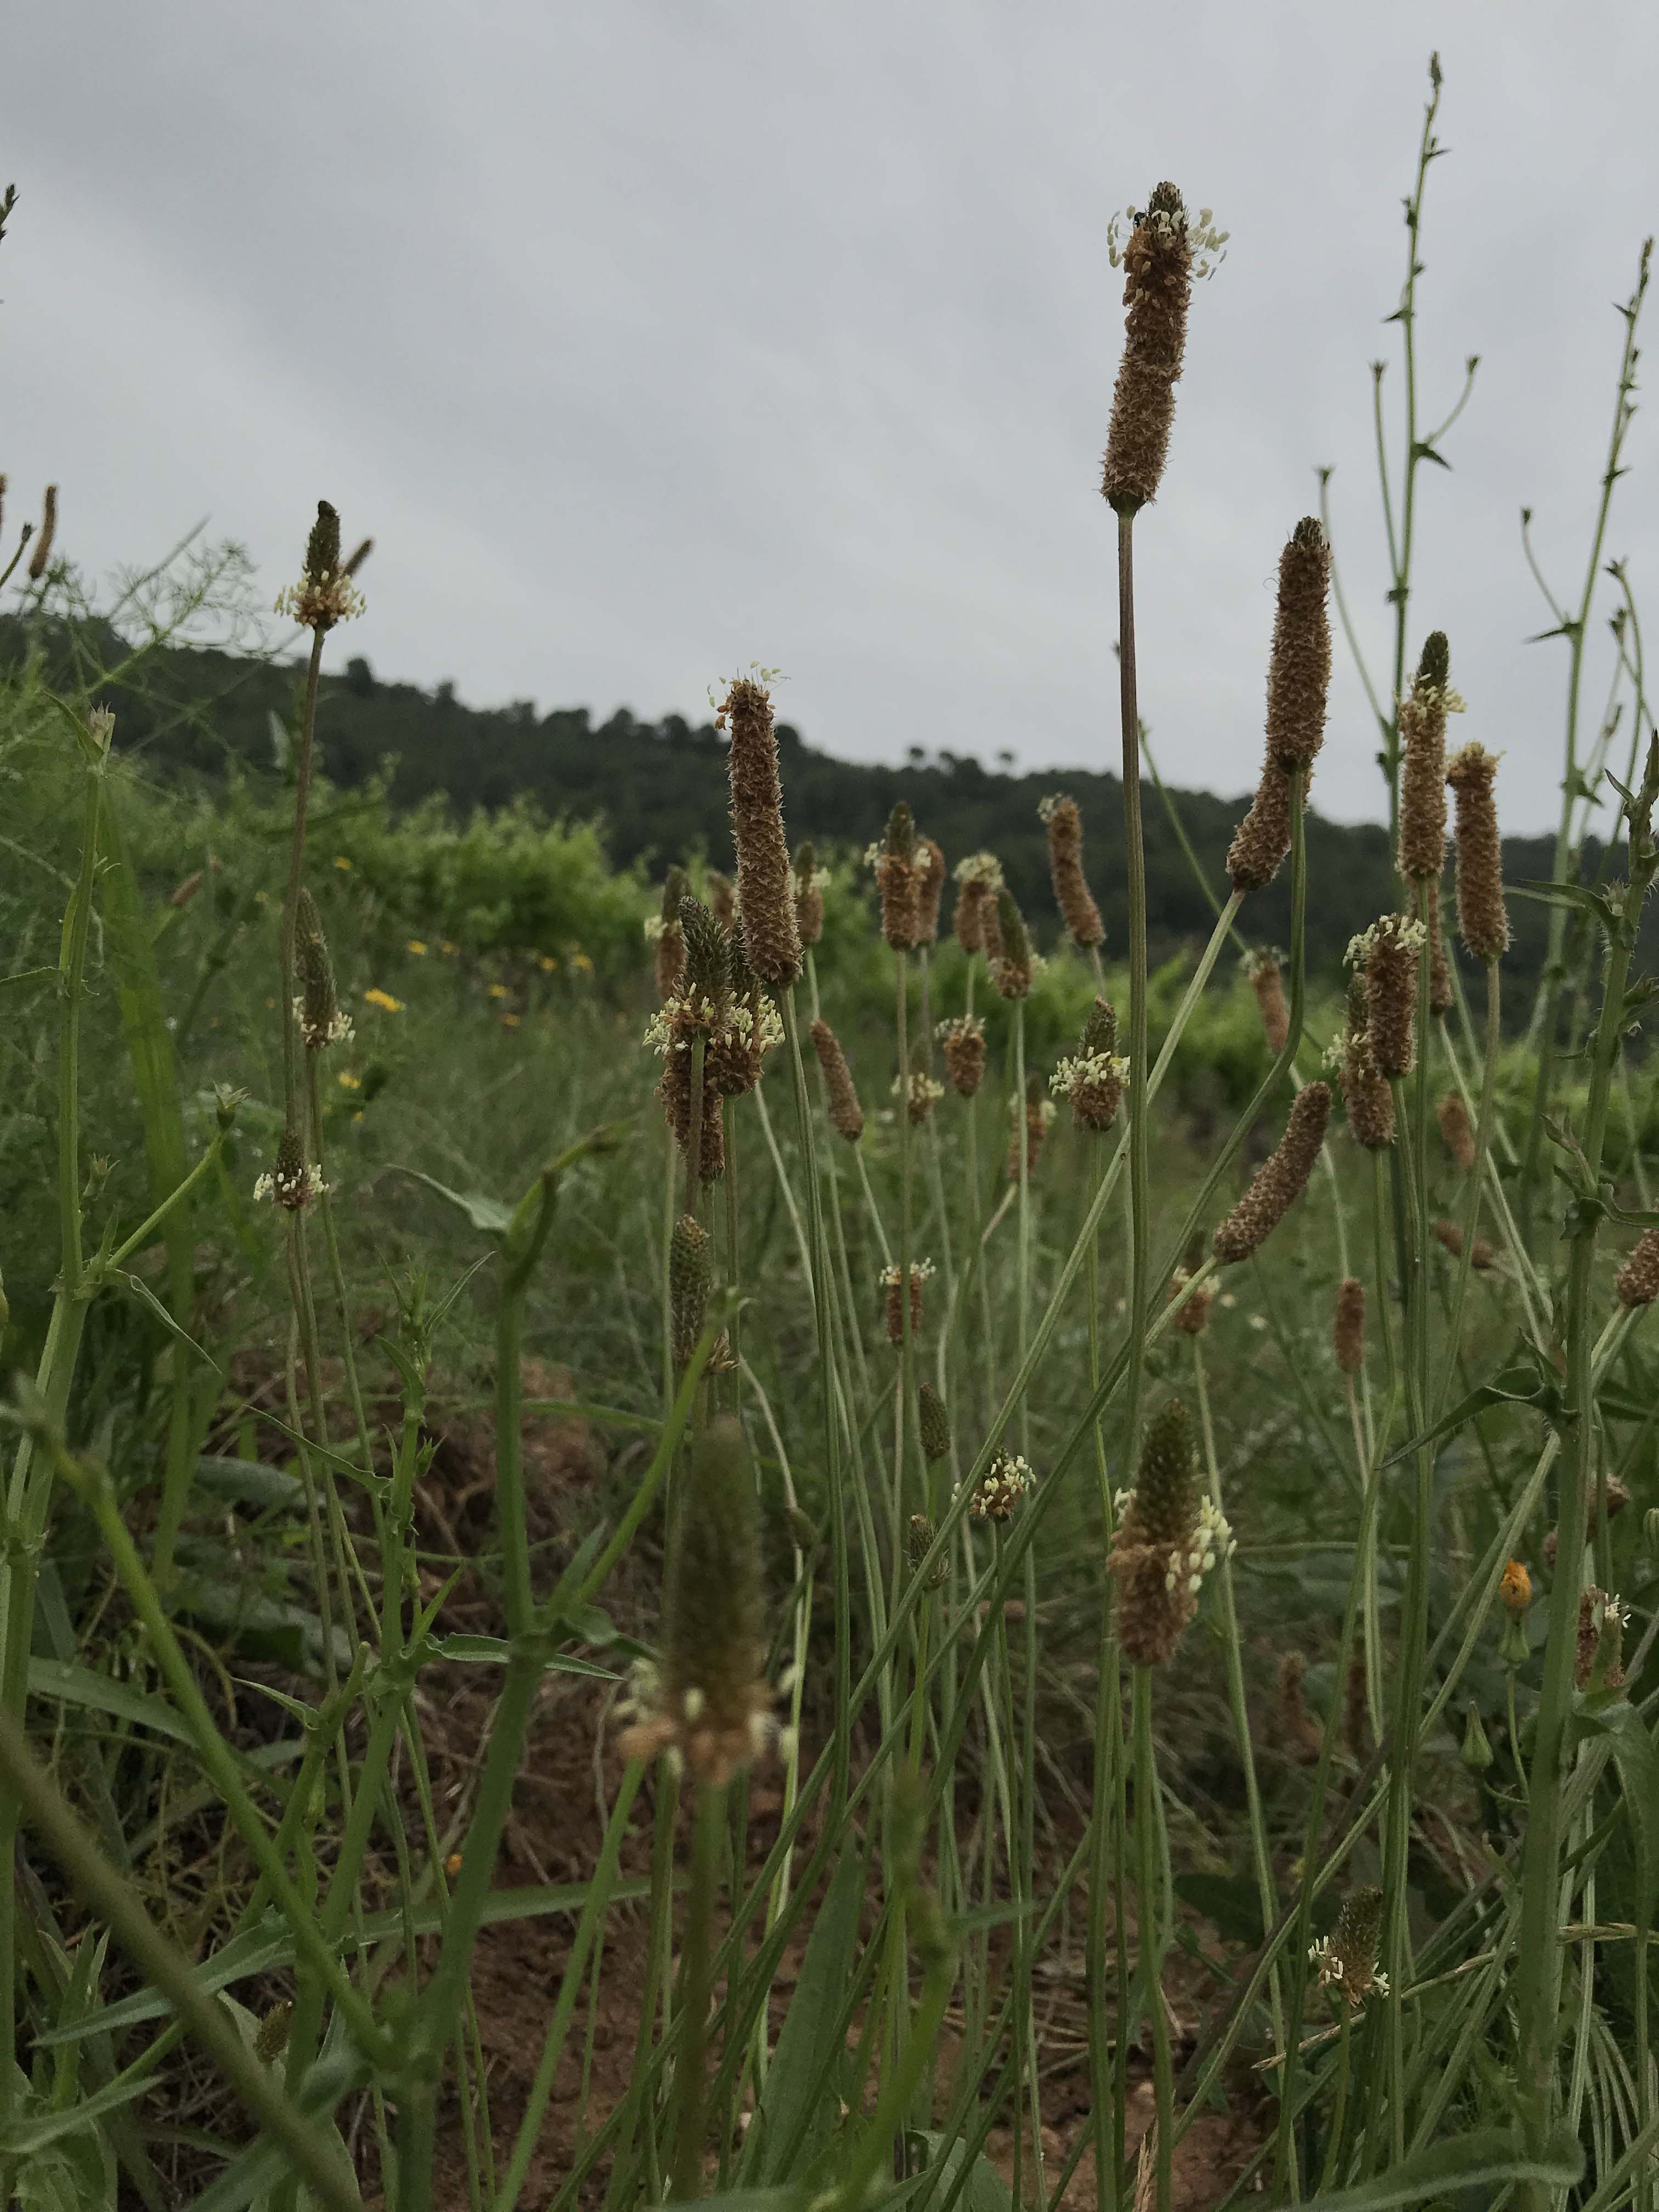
(850, 1549)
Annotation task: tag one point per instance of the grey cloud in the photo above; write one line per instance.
(649, 340)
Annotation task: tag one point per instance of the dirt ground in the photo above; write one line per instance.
(569, 1778)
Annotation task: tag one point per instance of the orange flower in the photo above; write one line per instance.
(1515, 1590)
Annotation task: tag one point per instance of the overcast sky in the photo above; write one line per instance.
(652, 340)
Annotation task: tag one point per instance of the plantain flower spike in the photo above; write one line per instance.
(1263, 839)
(808, 882)
(896, 880)
(979, 879)
(1281, 1180)
(44, 536)
(1159, 257)
(1456, 1130)
(1093, 1078)
(846, 1115)
(1346, 1957)
(665, 928)
(1014, 964)
(317, 1007)
(708, 1705)
(1072, 896)
(770, 934)
(1267, 979)
(1423, 774)
(1636, 1283)
(1349, 1331)
(1166, 1541)
(1365, 1091)
(962, 1038)
(1299, 665)
(1388, 952)
(1483, 921)
(934, 1423)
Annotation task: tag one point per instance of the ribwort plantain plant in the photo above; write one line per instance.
(1124, 1610)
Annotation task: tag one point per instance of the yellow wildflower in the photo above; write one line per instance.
(581, 960)
(385, 1001)
(500, 991)
(509, 1021)
(549, 963)
(347, 1081)
(452, 949)
(417, 945)
(341, 861)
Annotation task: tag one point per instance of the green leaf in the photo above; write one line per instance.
(146, 1297)
(73, 1684)
(1488, 2154)
(1524, 1381)
(799, 2107)
(1578, 897)
(1637, 1758)
(485, 1213)
(985, 2189)
(250, 1481)
(268, 1944)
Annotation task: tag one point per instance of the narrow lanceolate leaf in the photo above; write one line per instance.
(1475, 2161)
(269, 1945)
(799, 2107)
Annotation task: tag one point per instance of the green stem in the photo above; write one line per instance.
(1135, 860)
(690, 2070)
(1150, 1916)
(159, 1962)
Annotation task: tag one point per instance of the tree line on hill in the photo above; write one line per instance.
(659, 788)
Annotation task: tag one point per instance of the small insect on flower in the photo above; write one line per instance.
(1000, 1488)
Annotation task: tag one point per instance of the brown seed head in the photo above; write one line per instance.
(918, 1095)
(1457, 1130)
(1072, 893)
(919, 1543)
(898, 880)
(1193, 1317)
(809, 895)
(964, 1041)
(1483, 921)
(1299, 668)
(892, 1307)
(1281, 1180)
(1638, 1281)
(1389, 950)
(1482, 1257)
(1263, 839)
(1349, 1331)
(979, 878)
(1365, 1091)
(846, 1115)
(1423, 774)
(771, 937)
(44, 536)
(1158, 287)
(671, 961)
(1000, 1488)
(1441, 997)
(1267, 979)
